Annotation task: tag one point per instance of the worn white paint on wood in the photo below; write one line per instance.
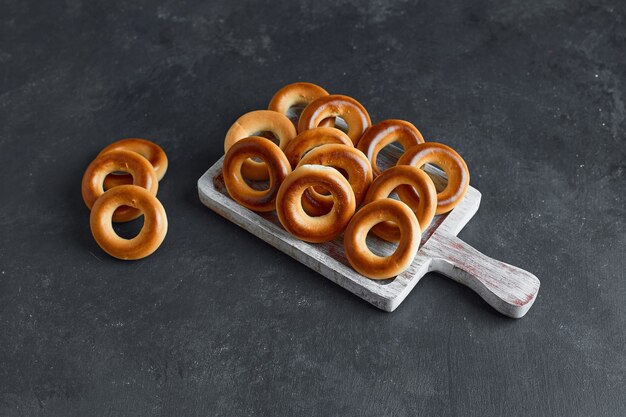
(508, 289)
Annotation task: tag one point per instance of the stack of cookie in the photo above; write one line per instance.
(323, 180)
(120, 185)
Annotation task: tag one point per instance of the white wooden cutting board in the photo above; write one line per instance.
(506, 288)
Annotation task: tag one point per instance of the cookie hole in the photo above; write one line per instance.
(378, 246)
(389, 155)
(321, 190)
(255, 184)
(438, 175)
(129, 230)
(341, 124)
(116, 178)
(267, 135)
(394, 194)
(294, 112)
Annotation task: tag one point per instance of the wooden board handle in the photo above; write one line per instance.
(508, 289)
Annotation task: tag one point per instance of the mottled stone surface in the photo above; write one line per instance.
(217, 322)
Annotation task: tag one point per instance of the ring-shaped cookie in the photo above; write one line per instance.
(383, 133)
(344, 157)
(119, 160)
(251, 124)
(312, 138)
(336, 105)
(232, 170)
(149, 150)
(361, 257)
(154, 224)
(446, 159)
(292, 215)
(298, 95)
(393, 177)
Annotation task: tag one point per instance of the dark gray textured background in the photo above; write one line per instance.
(217, 322)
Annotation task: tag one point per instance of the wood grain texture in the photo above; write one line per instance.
(508, 289)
